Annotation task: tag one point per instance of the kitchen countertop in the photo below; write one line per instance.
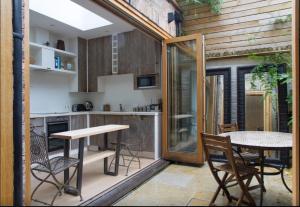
(127, 113)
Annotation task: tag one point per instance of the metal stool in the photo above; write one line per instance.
(127, 151)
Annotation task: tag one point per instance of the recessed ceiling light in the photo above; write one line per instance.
(68, 12)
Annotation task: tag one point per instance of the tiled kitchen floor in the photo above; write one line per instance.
(191, 186)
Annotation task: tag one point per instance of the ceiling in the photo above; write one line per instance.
(118, 25)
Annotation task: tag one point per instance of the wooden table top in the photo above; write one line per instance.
(81, 133)
(261, 139)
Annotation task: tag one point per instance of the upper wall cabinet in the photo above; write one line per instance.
(138, 53)
(99, 60)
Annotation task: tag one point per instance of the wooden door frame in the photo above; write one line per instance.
(296, 74)
(178, 156)
(6, 104)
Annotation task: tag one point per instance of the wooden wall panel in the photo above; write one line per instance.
(6, 104)
(242, 27)
(296, 74)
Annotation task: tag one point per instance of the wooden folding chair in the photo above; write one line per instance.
(223, 128)
(247, 156)
(231, 169)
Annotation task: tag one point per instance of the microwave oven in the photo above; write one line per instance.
(147, 81)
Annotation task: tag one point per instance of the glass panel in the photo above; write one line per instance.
(261, 109)
(182, 97)
(214, 103)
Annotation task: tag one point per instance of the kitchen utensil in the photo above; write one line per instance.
(88, 106)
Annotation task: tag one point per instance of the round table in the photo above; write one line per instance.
(261, 141)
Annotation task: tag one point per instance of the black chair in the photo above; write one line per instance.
(130, 153)
(40, 163)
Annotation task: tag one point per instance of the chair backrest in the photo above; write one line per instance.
(213, 144)
(223, 128)
(39, 149)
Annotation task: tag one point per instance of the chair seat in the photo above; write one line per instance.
(57, 164)
(124, 144)
(247, 156)
(243, 170)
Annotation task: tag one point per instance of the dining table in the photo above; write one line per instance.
(262, 141)
(81, 135)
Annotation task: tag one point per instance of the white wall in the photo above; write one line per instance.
(119, 89)
(50, 92)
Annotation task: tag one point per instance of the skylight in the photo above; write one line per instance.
(69, 13)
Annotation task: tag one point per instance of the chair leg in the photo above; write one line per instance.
(243, 194)
(246, 193)
(45, 180)
(221, 186)
(260, 182)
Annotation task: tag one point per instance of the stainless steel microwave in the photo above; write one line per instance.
(147, 81)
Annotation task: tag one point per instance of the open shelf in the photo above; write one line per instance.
(44, 69)
(57, 51)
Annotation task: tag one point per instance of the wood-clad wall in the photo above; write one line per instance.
(6, 104)
(296, 74)
(242, 27)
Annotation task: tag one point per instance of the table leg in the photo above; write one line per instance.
(67, 155)
(105, 148)
(117, 159)
(71, 190)
(262, 163)
(283, 180)
(80, 166)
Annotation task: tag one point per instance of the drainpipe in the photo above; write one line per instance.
(17, 102)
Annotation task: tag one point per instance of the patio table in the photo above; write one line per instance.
(82, 134)
(262, 141)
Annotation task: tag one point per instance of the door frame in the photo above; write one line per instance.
(196, 158)
(296, 111)
(6, 104)
(226, 72)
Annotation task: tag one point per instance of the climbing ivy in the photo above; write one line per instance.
(215, 5)
(269, 78)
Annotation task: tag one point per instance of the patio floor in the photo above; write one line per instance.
(191, 186)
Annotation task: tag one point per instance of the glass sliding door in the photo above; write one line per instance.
(183, 99)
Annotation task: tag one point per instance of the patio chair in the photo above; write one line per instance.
(246, 156)
(239, 171)
(43, 168)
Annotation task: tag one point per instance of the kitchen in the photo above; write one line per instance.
(89, 75)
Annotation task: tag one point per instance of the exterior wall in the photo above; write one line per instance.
(243, 27)
(233, 64)
(157, 11)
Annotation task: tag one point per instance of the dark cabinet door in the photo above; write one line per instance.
(127, 57)
(97, 120)
(78, 122)
(94, 60)
(82, 65)
(99, 59)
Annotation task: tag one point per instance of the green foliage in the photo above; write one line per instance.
(267, 72)
(215, 5)
(283, 20)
